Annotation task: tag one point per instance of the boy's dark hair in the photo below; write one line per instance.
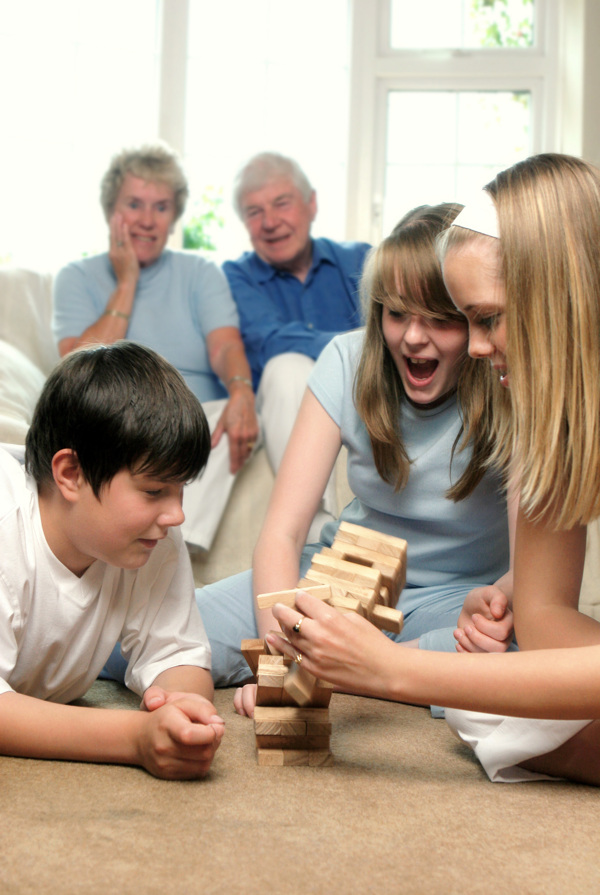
(118, 406)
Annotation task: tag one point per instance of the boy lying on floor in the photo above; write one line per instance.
(91, 553)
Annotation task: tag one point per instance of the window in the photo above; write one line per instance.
(262, 77)
(385, 103)
(75, 88)
(462, 24)
(460, 90)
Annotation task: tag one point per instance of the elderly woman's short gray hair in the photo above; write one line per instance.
(154, 162)
(264, 167)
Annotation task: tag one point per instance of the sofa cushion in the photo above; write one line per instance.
(20, 385)
(26, 315)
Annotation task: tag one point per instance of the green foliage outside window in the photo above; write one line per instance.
(504, 23)
(201, 228)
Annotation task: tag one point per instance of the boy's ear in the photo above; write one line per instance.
(67, 473)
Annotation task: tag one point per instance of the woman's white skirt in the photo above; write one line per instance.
(502, 743)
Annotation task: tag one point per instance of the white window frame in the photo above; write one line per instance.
(557, 71)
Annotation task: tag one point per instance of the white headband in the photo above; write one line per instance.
(479, 215)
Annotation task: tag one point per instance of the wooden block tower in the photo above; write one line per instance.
(363, 571)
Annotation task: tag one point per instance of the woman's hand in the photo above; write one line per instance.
(239, 421)
(485, 624)
(121, 252)
(245, 700)
(345, 650)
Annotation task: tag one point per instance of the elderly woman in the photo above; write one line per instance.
(177, 303)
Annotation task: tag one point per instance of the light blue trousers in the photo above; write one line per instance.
(227, 611)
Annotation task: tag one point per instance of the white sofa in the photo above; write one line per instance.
(28, 353)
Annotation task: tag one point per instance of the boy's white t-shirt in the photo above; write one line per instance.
(58, 630)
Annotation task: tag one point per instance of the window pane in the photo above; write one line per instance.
(274, 82)
(430, 24)
(75, 89)
(442, 145)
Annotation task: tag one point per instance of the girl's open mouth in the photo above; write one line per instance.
(420, 370)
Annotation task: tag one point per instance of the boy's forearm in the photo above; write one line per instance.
(186, 679)
(33, 728)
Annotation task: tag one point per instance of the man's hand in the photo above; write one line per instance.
(485, 624)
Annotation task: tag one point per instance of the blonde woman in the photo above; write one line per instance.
(522, 265)
(393, 394)
(177, 303)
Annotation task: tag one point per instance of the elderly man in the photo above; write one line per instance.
(293, 292)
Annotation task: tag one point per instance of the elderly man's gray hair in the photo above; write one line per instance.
(262, 168)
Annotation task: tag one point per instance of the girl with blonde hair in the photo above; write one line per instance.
(395, 395)
(522, 264)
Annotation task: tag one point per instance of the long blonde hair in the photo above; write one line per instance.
(549, 218)
(408, 256)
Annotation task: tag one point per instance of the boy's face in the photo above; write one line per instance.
(123, 527)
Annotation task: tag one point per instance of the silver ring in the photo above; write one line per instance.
(299, 658)
(298, 625)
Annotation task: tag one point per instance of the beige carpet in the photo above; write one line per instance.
(404, 808)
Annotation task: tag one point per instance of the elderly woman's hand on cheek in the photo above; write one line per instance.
(345, 650)
(121, 252)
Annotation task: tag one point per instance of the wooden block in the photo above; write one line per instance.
(321, 696)
(288, 597)
(342, 588)
(387, 619)
(347, 571)
(284, 757)
(318, 728)
(274, 679)
(305, 689)
(251, 650)
(291, 742)
(346, 604)
(393, 569)
(305, 583)
(290, 713)
(376, 540)
(269, 695)
(279, 728)
(320, 759)
(299, 684)
(267, 660)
